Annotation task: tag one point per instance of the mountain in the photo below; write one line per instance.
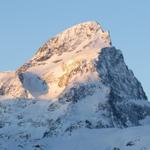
(76, 82)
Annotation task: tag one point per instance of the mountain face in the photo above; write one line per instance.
(76, 80)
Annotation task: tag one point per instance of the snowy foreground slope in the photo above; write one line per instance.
(27, 125)
(75, 93)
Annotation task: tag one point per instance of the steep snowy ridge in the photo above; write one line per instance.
(77, 81)
(91, 36)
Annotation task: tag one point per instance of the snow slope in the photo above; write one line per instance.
(136, 138)
(29, 125)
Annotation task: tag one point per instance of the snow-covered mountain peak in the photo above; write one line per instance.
(80, 55)
(76, 80)
(77, 39)
(70, 39)
(56, 62)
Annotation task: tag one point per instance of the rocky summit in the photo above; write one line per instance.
(76, 81)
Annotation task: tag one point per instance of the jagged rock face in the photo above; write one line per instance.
(115, 74)
(85, 80)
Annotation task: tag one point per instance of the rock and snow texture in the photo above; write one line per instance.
(104, 139)
(31, 125)
(76, 81)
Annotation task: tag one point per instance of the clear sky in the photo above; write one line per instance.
(26, 25)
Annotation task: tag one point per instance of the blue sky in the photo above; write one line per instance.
(26, 25)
